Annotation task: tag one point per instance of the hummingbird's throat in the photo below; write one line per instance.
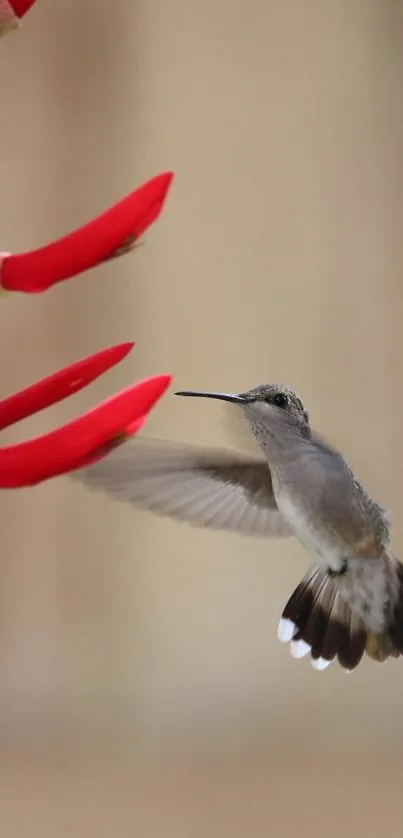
(271, 434)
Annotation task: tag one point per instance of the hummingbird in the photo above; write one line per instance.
(350, 601)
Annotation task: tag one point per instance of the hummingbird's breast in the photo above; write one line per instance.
(310, 530)
(333, 529)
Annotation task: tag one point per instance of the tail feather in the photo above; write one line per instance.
(330, 637)
(320, 622)
(353, 639)
(312, 621)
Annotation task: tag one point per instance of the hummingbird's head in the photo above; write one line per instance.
(264, 404)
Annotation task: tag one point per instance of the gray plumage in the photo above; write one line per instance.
(351, 600)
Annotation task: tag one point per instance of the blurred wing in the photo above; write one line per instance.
(236, 429)
(209, 488)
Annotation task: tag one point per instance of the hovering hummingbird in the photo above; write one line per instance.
(351, 599)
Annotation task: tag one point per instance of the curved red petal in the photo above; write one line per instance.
(60, 384)
(132, 429)
(21, 7)
(88, 437)
(10, 13)
(102, 238)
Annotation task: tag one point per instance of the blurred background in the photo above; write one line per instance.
(142, 687)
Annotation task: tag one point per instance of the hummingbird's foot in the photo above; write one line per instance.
(341, 570)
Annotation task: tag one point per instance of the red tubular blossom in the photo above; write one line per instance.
(83, 440)
(60, 385)
(10, 13)
(105, 237)
(21, 7)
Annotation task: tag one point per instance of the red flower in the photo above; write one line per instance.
(105, 237)
(21, 6)
(10, 13)
(83, 440)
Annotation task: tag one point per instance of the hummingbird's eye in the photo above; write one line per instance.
(280, 400)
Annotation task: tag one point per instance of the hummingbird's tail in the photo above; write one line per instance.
(320, 617)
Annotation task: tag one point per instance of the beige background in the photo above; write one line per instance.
(142, 688)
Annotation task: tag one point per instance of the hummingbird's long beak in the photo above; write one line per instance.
(225, 397)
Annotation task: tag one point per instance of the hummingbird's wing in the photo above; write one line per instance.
(211, 488)
(236, 430)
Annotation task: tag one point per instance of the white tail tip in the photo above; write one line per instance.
(320, 664)
(299, 648)
(286, 630)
